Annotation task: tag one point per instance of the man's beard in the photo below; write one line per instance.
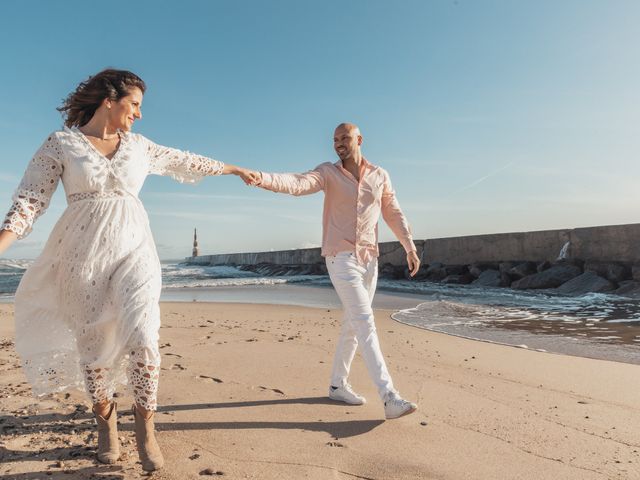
(346, 155)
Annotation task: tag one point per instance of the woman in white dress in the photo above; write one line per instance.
(87, 313)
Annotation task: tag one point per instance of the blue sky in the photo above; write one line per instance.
(491, 116)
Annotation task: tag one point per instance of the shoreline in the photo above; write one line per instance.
(581, 353)
(316, 296)
(292, 294)
(528, 336)
(243, 391)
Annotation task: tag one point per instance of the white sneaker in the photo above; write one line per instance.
(396, 407)
(345, 394)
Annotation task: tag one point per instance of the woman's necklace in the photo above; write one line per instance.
(105, 139)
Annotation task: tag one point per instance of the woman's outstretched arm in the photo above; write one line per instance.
(187, 167)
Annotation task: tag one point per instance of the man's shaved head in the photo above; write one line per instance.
(350, 127)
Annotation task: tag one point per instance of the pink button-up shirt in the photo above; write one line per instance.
(351, 208)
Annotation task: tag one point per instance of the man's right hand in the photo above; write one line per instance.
(250, 177)
(413, 262)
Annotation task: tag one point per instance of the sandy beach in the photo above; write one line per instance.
(243, 396)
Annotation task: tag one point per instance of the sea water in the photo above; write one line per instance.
(592, 325)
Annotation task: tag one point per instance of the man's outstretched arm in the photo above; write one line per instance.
(293, 183)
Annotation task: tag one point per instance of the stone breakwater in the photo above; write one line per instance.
(596, 259)
(569, 277)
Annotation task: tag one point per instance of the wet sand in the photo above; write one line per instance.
(243, 395)
(302, 295)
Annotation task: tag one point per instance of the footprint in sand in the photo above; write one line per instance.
(335, 444)
(276, 390)
(173, 354)
(206, 377)
(177, 366)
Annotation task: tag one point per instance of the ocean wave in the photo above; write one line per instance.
(204, 276)
(177, 273)
(9, 265)
(241, 282)
(598, 335)
(480, 303)
(11, 272)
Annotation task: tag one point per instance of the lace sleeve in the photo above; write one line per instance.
(183, 166)
(36, 188)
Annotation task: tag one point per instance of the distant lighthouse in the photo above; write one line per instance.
(196, 251)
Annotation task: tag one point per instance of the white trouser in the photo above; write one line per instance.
(355, 284)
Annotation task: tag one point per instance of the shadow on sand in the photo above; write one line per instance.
(99, 471)
(82, 422)
(344, 429)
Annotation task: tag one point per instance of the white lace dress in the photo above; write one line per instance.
(89, 302)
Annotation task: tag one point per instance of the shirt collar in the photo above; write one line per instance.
(363, 165)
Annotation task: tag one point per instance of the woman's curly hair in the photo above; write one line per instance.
(78, 108)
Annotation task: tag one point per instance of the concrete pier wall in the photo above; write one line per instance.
(619, 243)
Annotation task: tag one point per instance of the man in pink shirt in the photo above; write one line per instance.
(356, 193)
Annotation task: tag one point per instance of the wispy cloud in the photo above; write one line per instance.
(309, 245)
(433, 207)
(298, 218)
(425, 163)
(481, 179)
(198, 196)
(6, 177)
(587, 201)
(209, 217)
(573, 171)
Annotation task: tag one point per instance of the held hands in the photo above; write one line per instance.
(249, 177)
(413, 262)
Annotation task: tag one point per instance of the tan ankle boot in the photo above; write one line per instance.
(148, 448)
(108, 445)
